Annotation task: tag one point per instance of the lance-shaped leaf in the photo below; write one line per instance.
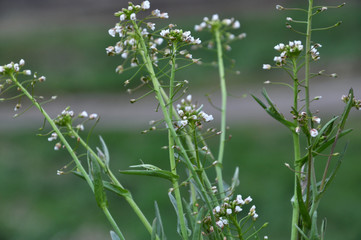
(175, 205)
(303, 209)
(99, 192)
(347, 109)
(105, 152)
(198, 224)
(273, 111)
(151, 170)
(157, 228)
(327, 128)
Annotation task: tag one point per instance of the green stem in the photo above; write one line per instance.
(307, 57)
(238, 227)
(297, 155)
(157, 89)
(223, 112)
(58, 132)
(171, 149)
(113, 223)
(115, 181)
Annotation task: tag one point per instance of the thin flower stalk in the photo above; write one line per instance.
(69, 148)
(171, 149)
(223, 111)
(157, 90)
(115, 181)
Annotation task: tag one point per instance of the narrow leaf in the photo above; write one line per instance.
(114, 236)
(159, 223)
(198, 224)
(105, 151)
(99, 192)
(153, 173)
(303, 210)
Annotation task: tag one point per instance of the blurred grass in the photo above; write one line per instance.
(38, 204)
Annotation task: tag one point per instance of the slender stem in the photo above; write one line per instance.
(115, 181)
(113, 223)
(238, 227)
(297, 155)
(157, 90)
(58, 132)
(171, 149)
(307, 57)
(223, 112)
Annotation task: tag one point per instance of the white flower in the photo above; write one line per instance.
(220, 224)
(133, 16)
(267, 66)
(217, 209)
(239, 199)
(22, 62)
(93, 116)
(252, 209)
(237, 209)
(2, 69)
(80, 127)
(236, 25)
(42, 79)
(112, 32)
(229, 211)
(313, 132)
(124, 55)
(83, 114)
(156, 13)
(277, 59)
(145, 5)
(189, 98)
(27, 72)
(279, 47)
(255, 216)
(227, 21)
(164, 15)
(248, 200)
(122, 17)
(297, 129)
(16, 67)
(316, 119)
(164, 32)
(215, 17)
(289, 19)
(182, 123)
(57, 146)
(151, 26)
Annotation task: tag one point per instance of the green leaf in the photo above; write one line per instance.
(326, 128)
(323, 146)
(105, 151)
(114, 236)
(116, 189)
(235, 180)
(303, 209)
(175, 205)
(99, 192)
(273, 111)
(333, 174)
(158, 229)
(153, 173)
(347, 109)
(197, 228)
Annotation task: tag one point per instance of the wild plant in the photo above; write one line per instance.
(206, 206)
(305, 124)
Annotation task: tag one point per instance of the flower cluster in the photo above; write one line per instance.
(178, 35)
(225, 25)
(229, 209)
(190, 114)
(14, 67)
(314, 52)
(355, 102)
(66, 117)
(302, 119)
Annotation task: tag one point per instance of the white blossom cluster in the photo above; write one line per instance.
(180, 36)
(224, 25)
(189, 114)
(129, 42)
(228, 209)
(14, 67)
(314, 52)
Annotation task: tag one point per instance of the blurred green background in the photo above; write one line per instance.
(66, 42)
